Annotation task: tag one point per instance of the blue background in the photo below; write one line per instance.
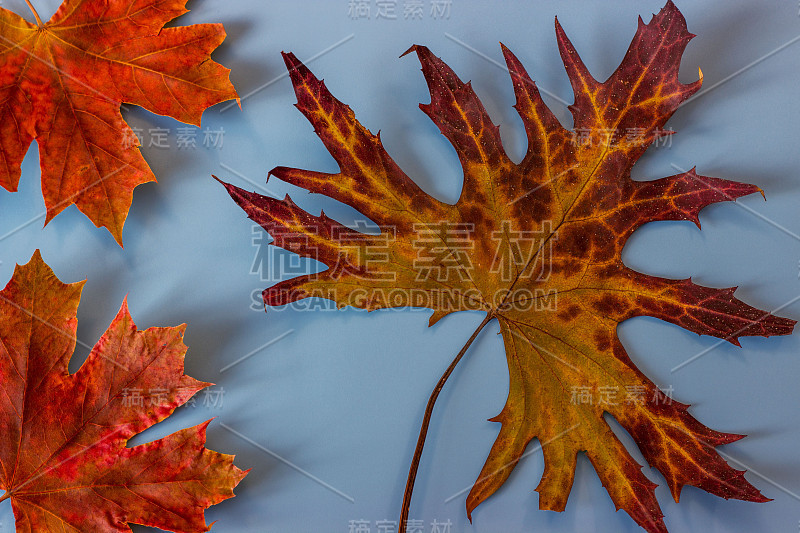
(340, 396)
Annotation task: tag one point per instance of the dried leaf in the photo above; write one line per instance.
(62, 83)
(537, 246)
(63, 457)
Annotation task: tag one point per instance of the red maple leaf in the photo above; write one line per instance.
(62, 83)
(63, 457)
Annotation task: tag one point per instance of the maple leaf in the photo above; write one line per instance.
(62, 83)
(536, 245)
(63, 457)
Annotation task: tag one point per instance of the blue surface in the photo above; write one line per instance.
(342, 395)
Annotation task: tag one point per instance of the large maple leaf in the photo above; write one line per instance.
(63, 457)
(535, 245)
(62, 83)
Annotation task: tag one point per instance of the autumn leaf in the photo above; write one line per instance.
(64, 462)
(535, 245)
(62, 83)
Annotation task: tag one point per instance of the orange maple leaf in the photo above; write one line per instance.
(63, 457)
(537, 246)
(62, 83)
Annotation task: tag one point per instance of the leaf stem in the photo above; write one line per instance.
(426, 421)
(5, 496)
(38, 22)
